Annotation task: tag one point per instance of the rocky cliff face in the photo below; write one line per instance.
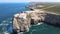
(52, 19)
(22, 21)
(20, 24)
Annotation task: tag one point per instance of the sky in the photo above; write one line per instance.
(18, 1)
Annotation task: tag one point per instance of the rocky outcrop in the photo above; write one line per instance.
(22, 21)
(20, 24)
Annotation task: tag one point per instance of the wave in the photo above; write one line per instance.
(37, 24)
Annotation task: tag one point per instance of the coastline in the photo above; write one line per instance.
(36, 16)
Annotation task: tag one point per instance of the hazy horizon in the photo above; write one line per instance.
(22, 1)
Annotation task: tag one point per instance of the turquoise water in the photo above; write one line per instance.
(44, 29)
(7, 10)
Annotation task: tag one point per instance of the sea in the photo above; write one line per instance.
(7, 11)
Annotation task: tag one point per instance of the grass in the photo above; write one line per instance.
(55, 9)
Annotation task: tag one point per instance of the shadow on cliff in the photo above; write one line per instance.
(52, 19)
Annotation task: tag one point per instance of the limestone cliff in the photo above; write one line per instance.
(22, 21)
(20, 24)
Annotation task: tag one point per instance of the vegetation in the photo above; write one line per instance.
(44, 6)
(28, 16)
(55, 9)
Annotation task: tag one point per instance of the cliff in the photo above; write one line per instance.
(22, 21)
(20, 24)
(52, 19)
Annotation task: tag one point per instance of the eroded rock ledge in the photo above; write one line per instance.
(23, 20)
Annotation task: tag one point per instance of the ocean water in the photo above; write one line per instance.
(7, 10)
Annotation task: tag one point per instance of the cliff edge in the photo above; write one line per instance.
(23, 20)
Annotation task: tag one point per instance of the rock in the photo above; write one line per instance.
(22, 21)
(52, 19)
(21, 24)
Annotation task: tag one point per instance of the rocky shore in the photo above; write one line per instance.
(23, 20)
